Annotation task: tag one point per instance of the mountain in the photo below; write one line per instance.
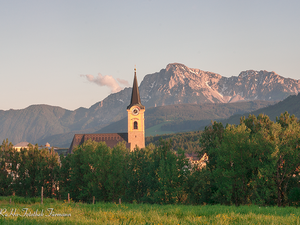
(38, 121)
(179, 84)
(176, 84)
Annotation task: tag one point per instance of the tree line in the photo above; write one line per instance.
(189, 141)
(152, 175)
(24, 172)
(255, 162)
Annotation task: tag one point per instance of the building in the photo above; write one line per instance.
(135, 137)
(23, 145)
(196, 161)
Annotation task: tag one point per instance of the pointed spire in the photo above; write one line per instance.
(135, 96)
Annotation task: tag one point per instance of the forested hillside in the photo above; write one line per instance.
(186, 117)
(187, 141)
(291, 104)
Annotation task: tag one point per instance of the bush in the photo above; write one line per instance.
(294, 196)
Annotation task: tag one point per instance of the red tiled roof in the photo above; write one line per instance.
(111, 139)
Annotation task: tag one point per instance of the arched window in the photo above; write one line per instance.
(135, 125)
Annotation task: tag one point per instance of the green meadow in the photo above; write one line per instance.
(111, 213)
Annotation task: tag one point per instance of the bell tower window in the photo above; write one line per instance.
(135, 125)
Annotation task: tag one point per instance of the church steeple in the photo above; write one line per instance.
(135, 96)
(136, 119)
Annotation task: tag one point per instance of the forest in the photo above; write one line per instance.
(255, 162)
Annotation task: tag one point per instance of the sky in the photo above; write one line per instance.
(74, 53)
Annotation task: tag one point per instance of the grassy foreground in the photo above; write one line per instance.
(110, 213)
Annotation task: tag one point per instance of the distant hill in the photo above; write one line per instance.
(185, 117)
(34, 122)
(291, 104)
(174, 85)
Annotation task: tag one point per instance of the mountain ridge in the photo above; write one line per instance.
(201, 86)
(176, 84)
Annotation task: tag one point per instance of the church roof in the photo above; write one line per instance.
(135, 96)
(111, 139)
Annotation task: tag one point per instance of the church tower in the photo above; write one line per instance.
(136, 120)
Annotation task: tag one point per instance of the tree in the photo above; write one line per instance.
(35, 168)
(96, 170)
(138, 174)
(253, 162)
(236, 164)
(210, 140)
(6, 168)
(280, 156)
(286, 154)
(64, 176)
(116, 179)
(81, 175)
(205, 187)
(168, 175)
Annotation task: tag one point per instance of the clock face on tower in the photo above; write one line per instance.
(135, 111)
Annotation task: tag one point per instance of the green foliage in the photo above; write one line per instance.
(138, 175)
(88, 172)
(294, 196)
(189, 141)
(6, 177)
(36, 168)
(26, 171)
(116, 178)
(200, 187)
(209, 141)
(235, 165)
(253, 162)
(153, 174)
(169, 175)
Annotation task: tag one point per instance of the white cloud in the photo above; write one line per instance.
(108, 81)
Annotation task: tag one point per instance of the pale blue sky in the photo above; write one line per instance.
(47, 45)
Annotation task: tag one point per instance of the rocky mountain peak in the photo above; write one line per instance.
(189, 76)
(181, 84)
(175, 67)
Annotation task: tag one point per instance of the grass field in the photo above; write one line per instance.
(110, 213)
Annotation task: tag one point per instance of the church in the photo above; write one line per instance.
(135, 137)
